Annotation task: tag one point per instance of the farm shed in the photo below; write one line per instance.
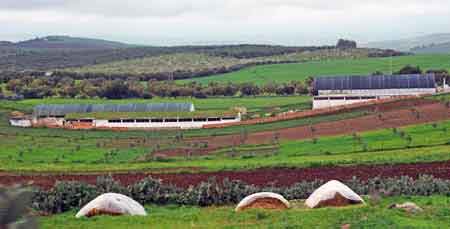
(343, 90)
(127, 116)
(62, 110)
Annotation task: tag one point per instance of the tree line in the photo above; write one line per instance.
(50, 86)
(40, 85)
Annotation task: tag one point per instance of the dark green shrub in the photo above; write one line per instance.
(107, 184)
(67, 195)
(150, 190)
(63, 197)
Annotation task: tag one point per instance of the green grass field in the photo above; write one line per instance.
(219, 103)
(421, 143)
(300, 71)
(436, 214)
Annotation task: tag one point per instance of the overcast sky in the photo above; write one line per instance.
(172, 22)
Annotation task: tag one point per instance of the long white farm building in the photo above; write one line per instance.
(343, 90)
(125, 116)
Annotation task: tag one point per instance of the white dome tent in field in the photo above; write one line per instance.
(333, 193)
(263, 200)
(111, 204)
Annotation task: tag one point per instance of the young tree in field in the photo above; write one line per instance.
(243, 136)
(276, 138)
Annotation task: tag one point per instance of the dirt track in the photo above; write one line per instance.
(278, 176)
(389, 115)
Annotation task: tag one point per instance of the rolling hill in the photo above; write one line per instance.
(67, 42)
(300, 71)
(408, 44)
(443, 48)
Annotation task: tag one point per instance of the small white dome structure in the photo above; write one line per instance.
(333, 193)
(111, 204)
(263, 200)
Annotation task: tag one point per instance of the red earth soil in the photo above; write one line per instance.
(389, 115)
(324, 111)
(260, 177)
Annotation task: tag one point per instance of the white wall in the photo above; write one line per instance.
(161, 125)
(20, 122)
(318, 104)
(380, 92)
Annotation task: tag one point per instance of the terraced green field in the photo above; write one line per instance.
(300, 71)
(436, 214)
(79, 152)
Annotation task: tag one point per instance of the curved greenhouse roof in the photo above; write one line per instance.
(374, 82)
(62, 110)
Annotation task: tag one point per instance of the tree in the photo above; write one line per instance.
(248, 89)
(408, 69)
(346, 44)
(230, 89)
(269, 88)
(115, 90)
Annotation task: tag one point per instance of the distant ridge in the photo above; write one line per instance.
(411, 44)
(67, 42)
(443, 48)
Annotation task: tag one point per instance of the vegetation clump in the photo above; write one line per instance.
(67, 195)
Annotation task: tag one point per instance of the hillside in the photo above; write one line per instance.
(200, 64)
(59, 52)
(300, 71)
(443, 48)
(67, 42)
(407, 44)
(26, 58)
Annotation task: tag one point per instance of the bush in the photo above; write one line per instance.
(65, 196)
(150, 190)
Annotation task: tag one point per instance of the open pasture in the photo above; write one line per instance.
(218, 103)
(300, 71)
(421, 143)
(372, 215)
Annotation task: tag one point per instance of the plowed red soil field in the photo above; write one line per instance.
(390, 115)
(278, 176)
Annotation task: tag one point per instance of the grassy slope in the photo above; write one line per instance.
(288, 72)
(436, 215)
(429, 143)
(225, 103)
(195, 62)
(165, 63)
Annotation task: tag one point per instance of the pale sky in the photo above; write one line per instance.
(177, 22)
